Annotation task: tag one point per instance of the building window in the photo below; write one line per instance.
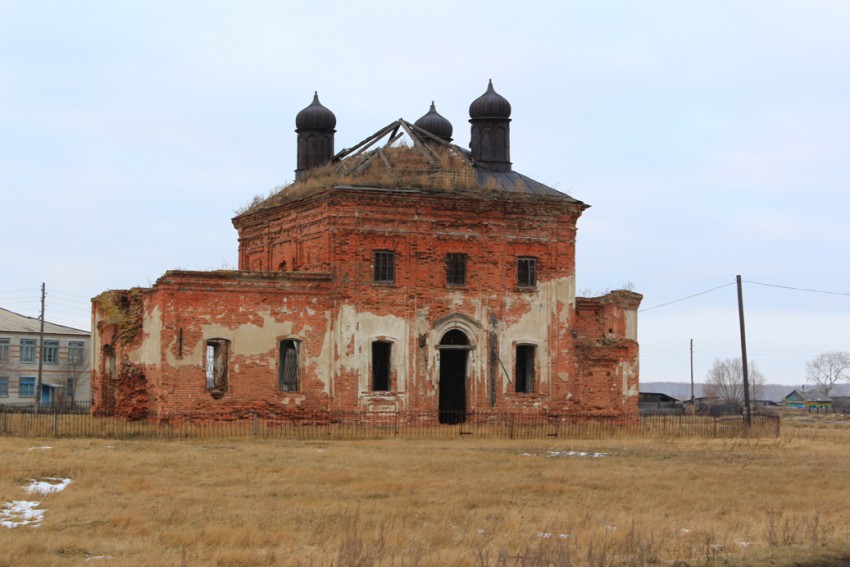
(75, 352)
(27, 350)
(524, 369)
(4, 350)
(384, 266)
(381, 366)
(456, 269)
(216, 366)
(526, 270)
(26, 387)
(288, 376)
(69, 388)
(4, 387)
(50, 352)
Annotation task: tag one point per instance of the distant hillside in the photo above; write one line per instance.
(774, 392)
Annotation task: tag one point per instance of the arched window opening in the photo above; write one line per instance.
(455, 337)
(381, 351)
(288, 373)
(217, 353)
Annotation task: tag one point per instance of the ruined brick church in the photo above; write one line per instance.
(405, 275)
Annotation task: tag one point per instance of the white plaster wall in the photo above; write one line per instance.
(359, 329)
(631, 325)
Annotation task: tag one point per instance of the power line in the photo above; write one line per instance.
(808, 290)
(688, 297)
(799, 288)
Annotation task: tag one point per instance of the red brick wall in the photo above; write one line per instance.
(306, 274)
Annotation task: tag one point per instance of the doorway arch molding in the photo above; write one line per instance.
(457, 321)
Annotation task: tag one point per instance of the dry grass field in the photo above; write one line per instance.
(191, 503)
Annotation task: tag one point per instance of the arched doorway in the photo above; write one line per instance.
(454, 352)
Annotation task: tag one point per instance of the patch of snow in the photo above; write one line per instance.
(26, 513)
(39, 448)
(47, 485)
(576, 454)
(97, 557)
(548, 535)
(21, 513)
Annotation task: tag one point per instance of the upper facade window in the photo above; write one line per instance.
(526, 270)
(75, 352)
(27, 350)
(50, 354)
(4, 350)
(456, 269)
(384, 266)
(4, 387)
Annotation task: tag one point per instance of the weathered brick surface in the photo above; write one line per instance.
(306, 274)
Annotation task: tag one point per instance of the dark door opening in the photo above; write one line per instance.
(454, 350)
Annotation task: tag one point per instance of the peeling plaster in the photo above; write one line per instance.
(627, 371)
(151, 347)
(363, 327)
(631, 324)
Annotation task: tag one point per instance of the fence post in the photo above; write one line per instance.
(254, 413)
(3, 412)
(55, 422)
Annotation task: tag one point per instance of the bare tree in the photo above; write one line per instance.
(828, 368)
(725, 381)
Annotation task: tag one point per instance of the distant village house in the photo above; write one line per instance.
(65, 362)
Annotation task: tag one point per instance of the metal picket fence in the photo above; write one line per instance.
(78, 421)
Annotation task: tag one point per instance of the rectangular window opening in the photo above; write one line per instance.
(384, 266)
(288, 378)
(525, 369)
(27, 353)
(381, 351)
(4, 350)
(4, 387)
(26, 387)
(50, 354)
(456, 269)
(75, 352)
(216, 366)
(526, 272)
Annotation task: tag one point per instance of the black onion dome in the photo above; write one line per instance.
(315, 116)
(490, 105)
(436, 124)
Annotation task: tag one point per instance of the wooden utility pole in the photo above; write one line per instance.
(692, 374)
(40, 354)
(744, 352)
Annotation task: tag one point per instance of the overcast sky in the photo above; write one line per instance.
(710, 138)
